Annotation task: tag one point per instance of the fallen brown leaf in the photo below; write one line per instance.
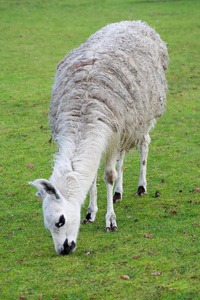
(195, 224)
(158, 273)
(124, 277)
(149, 236)
(152, 253)
(22, 297)
(34, 215)
(30, 166)
(136, 256)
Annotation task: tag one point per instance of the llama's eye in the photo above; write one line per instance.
(60, 222)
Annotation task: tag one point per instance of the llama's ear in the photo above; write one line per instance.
(44, 186)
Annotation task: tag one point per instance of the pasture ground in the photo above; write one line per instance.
(158, 242)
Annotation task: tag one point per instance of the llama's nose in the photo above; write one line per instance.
(68, 247)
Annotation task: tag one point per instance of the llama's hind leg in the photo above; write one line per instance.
(143, 148)
(119, 184)
(110, 175)
(92, 208)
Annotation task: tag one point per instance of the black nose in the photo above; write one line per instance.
(67, 249)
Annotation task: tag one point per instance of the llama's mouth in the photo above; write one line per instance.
(68, 248)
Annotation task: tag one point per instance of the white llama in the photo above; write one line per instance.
(107, 95)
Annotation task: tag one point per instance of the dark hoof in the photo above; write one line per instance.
(115, 228)
(85, 221)
(112, 228)
(117, 197)
(141, 191)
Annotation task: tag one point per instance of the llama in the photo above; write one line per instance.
(106, 97)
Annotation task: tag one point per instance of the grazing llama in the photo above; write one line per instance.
(107, 96)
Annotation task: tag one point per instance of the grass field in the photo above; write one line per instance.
(161, 251)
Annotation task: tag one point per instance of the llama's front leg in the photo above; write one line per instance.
(110, 176)
(92, 208)
(143, 148)
(119, 184)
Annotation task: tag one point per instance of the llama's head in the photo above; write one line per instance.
(61, 216)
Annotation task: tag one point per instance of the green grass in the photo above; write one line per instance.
(35, 36)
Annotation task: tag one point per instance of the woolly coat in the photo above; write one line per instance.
(113, 85)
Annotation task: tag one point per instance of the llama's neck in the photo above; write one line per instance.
(75, 167)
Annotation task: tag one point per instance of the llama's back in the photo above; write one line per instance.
(116, 79)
